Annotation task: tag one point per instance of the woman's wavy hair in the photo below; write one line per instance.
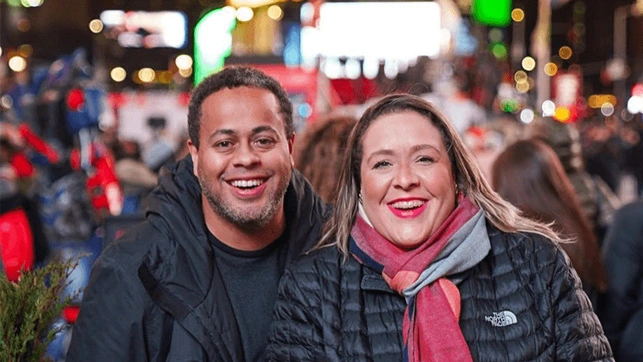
(468, 176)
(318, 154)
(529, 174)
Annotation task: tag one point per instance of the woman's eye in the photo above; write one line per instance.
(426, 159)
(381, 164)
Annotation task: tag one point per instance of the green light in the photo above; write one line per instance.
(499, 50)
(212, 42)
(492, 12)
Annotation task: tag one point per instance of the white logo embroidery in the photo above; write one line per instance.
(502, 319)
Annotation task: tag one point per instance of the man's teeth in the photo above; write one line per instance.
(408, 204)
(246, 183)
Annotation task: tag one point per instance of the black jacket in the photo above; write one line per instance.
(156, 295)
(622, 310)
(333, 311)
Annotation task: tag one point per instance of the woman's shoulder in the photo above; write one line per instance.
(523, 246)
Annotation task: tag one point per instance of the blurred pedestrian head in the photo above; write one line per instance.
(230, 78)
(319, 152)
(529, 174)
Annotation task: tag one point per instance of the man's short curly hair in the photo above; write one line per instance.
(235, 77)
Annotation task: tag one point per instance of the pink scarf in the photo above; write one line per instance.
(430, 329)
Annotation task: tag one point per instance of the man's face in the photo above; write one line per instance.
(244, 160)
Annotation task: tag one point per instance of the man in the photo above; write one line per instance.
(198, 279)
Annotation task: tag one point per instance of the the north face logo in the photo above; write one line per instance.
(502, 319)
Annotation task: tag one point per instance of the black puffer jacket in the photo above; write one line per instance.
(156, 295)
(622, 309)
(521, 303)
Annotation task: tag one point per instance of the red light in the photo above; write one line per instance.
(637, 90)
(75, 99)
(70, 313)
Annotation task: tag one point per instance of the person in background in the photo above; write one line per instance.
(529, 175)
(318, 154)
(598, 201)
(622, 310)
(197, 280)
(422, 261)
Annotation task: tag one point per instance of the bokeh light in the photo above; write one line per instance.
(17, 63)
(146, 75)
(118, 74)
(548, 108)
(551, 69)
(517, 15)
(244, 14)
(183, 61)
(528, 63)
(96, 26)
(565, 52)
(275, 12)
(527, 115)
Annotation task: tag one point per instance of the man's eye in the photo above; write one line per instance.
(265, 141)
(223, 144)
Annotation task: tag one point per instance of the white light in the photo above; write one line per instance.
(526, 115)
(17, 63)
(333, 68)
(371, 68)
(245, 13)
(549, 108)
(112, 17)
(35, 3)
(607, 109)
(391, 68)
(353, 69)
(635, 105)
(183, 61)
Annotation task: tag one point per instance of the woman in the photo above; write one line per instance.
(423, 261)
(530, 176)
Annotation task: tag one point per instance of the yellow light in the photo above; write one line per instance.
(275, 12)
(562, 114)
(597, 100)
(25, 50)
(565, 52)
(520, 76)
(185, 72)
(118, 74)
(165, 77)
(146, 75)
(244, 14)
(17, 63)
(96, 26)
(0, 51)
(522, 87)
(183, 61)
(528, 63)
(517, 15)
(551, 69)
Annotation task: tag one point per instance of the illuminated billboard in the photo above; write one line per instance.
(372, 30)
(145, 29)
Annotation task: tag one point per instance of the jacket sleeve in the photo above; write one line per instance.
(109, 327)
(622, 253)
(578, 332)
(295, 333)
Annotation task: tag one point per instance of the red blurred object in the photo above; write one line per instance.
(16, 243)
(22, 165)
(75, 99)
(70, 313)
(38, 144)
(101, 179)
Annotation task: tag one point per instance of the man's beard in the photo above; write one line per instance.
(254, 221)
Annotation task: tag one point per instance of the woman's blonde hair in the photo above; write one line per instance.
(468, 176)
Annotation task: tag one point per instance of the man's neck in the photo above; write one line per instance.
(237, 237)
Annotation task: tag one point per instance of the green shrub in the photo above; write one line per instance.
(28, 309)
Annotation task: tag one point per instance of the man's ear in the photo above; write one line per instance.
(291, 142)
(194, 153)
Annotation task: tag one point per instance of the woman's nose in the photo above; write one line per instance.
(405, 177)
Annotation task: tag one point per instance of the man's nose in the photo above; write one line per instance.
(246, 155)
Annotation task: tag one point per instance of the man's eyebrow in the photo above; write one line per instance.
(260, 129)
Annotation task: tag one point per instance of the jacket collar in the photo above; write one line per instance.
(179, 271)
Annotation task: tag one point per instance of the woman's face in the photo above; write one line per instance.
(408, 188)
